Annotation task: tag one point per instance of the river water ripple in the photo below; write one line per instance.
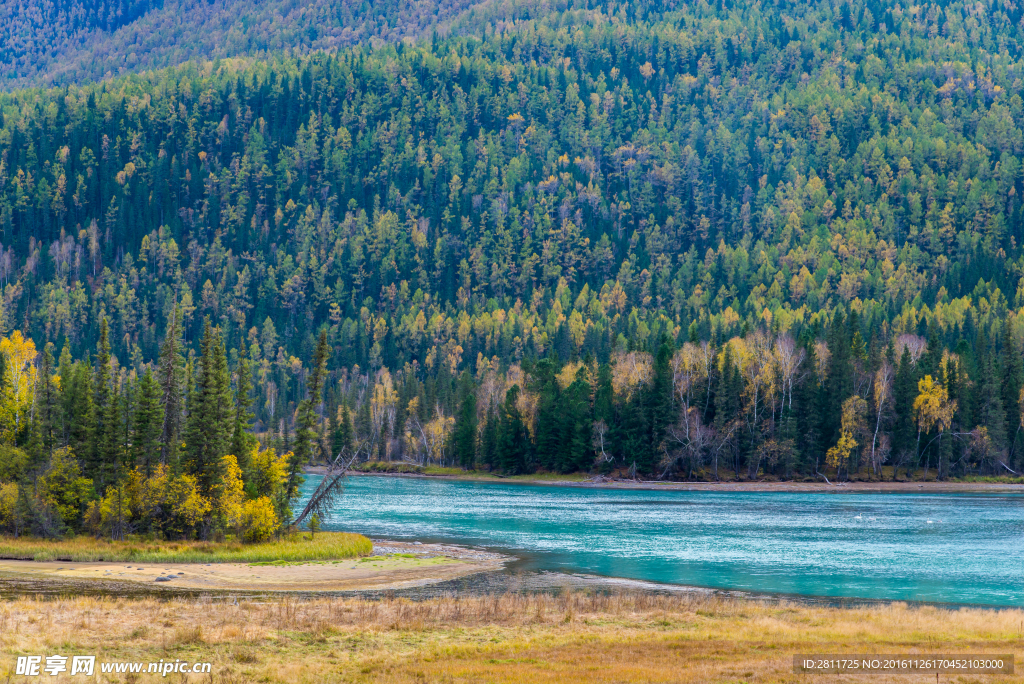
(965, 548)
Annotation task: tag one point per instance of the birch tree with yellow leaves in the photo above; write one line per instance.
(19, 380)
(933, 410)
(882, 396)
(838, 456)
(383, 407)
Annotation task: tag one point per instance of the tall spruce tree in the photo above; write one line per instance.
(991, 413)
(242, 440)
(805, 397)
(209, 424)
(489, 439)
(47, 421)
(577, 450)
(171, 379)
(126, 405)
(727, 399)
(148, 424)
(549, 434)
(77, 401)
(838, 381)
(904, 390)
(344, 437)
(103, 451)
(308, 421)
(513, 441)
(1012, 382)
(464, 433)
(658, 403)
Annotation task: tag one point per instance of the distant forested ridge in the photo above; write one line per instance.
(779, 239)
(60, 43)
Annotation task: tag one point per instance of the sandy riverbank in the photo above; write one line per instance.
(395, 565)
(607, 483)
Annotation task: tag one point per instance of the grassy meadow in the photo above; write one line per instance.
(290, 548)
(577, 637)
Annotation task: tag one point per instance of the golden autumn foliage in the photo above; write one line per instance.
(8, 502)
(18, 382)
(114, 512)
(258, 520)
(229, 493)
(185, 501)
(852, 422)
(63, 487)
(932, 405)
(630, 370)
(269, 470)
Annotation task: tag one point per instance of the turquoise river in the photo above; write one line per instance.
(945, 547)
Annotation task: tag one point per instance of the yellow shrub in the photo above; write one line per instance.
(8, 500)
(268, 470)
(259, 521)
(186, 502)
(63, 487)
(115, 511)
(228, 493)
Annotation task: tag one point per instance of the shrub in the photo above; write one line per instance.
(8, 505)
(63, 488)
(259, 521)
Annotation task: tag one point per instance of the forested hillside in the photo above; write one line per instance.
(47, 43)
(780, 239)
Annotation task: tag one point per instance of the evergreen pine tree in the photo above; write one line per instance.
(306, 432)
(77, 401)
(659, 403)
(930, 362)
(344, 437)
(904, 390)
(126, 405)
(489, 439)
(209, 422)
(102, 458)
(549, 437)
(148, 424)
(991, 413)
(577, 447)
(512, 439)
(242, 440)
(838, 381)
(805, 397)
(1012, 382)
(46, 425)
(464, 432)
(171, 379)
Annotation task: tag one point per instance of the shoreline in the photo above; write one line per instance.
(394, 565)
(722, 486)
(410, 569)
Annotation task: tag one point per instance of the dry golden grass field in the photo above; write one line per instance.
(574, 637)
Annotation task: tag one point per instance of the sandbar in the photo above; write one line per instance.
(396, 565)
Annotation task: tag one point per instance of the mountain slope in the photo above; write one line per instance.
(574, 186)
(46, 43)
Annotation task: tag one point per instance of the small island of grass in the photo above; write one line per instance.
(288, 548)
(333, 562)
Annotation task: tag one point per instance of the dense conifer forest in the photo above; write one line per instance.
(47, 43)
(729, 240)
